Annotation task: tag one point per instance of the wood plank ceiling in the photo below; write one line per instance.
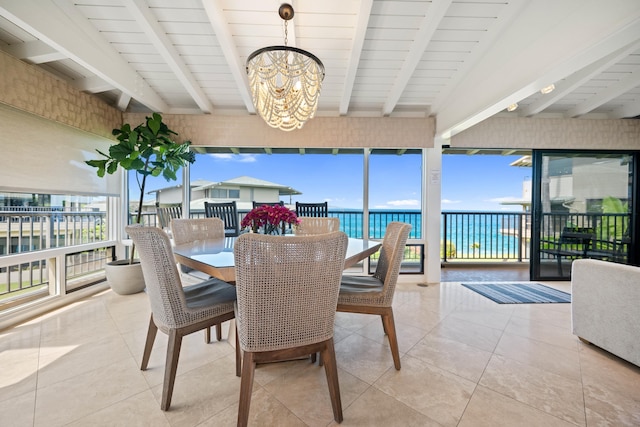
(460, 61)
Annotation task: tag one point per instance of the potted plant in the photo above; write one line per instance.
(149, 150)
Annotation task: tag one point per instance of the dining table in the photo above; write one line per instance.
(215, 256)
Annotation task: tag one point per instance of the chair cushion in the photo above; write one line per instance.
(210, 292)
(360, 284)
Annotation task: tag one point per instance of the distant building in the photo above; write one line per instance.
(243, 190)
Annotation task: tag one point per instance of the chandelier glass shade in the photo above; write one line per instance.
(285, 85)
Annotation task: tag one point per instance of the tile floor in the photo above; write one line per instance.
(466, 361)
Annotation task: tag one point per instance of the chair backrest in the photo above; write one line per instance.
(258, 204)
(161, 275)
(315, 225)
(312, 209)
(227, 212)
(391, 255)
(287, 288)
(188, 230)
(166, 214)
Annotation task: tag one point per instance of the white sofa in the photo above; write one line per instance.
(605, 306)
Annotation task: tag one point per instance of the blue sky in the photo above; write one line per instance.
(477, 182)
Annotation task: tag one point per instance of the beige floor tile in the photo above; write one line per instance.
(352, 322)
(443, 400)
(407, 335)
(141, 410)
(193, 354)
(305, 392)
(363, 357)
(552, 393)
(17, 411)
(201, 393)
(478, 336)
(265, 411)
(452, 356)
(417, 317)
(553, 314)
(82, 395)
(543, 332)
(490, 409)
(489, 317)
(58, 363)
(375, 408)
(19, 374)
(601, 368)
(544, 356)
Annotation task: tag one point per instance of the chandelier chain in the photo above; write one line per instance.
(286, 33)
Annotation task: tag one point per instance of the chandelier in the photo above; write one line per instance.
(285, 81)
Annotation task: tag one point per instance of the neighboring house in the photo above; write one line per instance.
(244, 190)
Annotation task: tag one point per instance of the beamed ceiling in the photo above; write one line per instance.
(459, 61)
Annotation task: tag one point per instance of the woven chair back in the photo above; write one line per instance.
(189, 230)
(287, 289)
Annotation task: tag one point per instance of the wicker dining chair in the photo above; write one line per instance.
(312, 209)
(228, 213)
(166, 214)
(176, 310)
(258, 204)
(188, 230)
(374, 294)
(316, 225)
(287, 294)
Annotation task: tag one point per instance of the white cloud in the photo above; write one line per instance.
(449, 202)
(242, 158)
(404, 203)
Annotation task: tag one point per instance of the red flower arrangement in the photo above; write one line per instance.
(270, 218)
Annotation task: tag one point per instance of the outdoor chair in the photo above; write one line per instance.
(287, 294)
(374, 294)
(228, 213)
(166, 214)
(258, 204)
(176, 310)
(189, 230)
(314, 225)
(312, 209)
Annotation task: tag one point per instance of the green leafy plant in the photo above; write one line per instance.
(149, 150)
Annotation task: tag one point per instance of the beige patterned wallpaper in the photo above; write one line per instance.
(28, 88)
(251, 131)
(584, 134)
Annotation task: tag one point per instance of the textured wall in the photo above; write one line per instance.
(584, 134)
(339, 132)
(28, 88)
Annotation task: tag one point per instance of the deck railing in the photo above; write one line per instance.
(465, 237)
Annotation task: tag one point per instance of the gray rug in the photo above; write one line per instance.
(519, 293)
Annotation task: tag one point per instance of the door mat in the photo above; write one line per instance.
(519, 293)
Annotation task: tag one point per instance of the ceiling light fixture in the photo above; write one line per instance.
(512, 107)
(285, 81)
(547, 89)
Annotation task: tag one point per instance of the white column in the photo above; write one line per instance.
(431, 209)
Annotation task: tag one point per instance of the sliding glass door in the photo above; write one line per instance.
(582, 209)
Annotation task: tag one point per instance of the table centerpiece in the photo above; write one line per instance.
(269, 219)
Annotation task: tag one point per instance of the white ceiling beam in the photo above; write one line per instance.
(93, 84)
(61, 30)
(149, 24)
(538, 47)
(626, 111)
(427, 27)
(606, 95)
(223, 33)
(564, 87)
(356, 51)
(34, 52)
(123, 101)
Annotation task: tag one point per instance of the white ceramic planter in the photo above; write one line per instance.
(125, 278)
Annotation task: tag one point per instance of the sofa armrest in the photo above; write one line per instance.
(605, 306)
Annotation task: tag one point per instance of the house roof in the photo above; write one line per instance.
(242, 181)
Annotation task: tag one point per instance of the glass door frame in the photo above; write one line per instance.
(633, 255)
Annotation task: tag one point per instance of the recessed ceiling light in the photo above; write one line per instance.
(512, 107)
(548, 89)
